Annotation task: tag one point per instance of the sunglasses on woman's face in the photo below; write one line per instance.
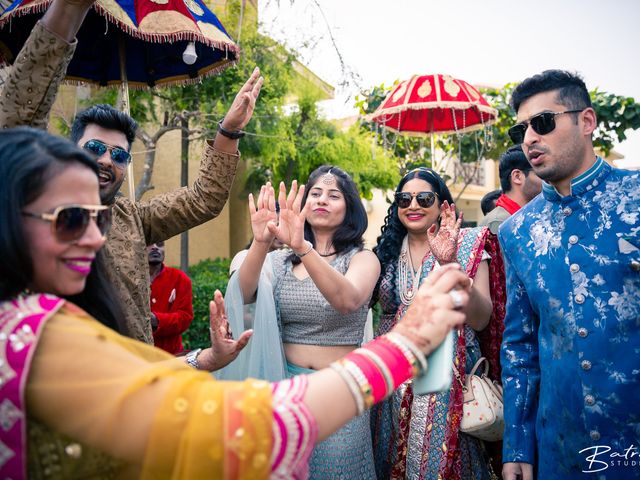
(541, 123)
(69, 222)
(424, 199)
(119, 156)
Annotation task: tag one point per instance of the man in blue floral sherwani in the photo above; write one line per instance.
(571, 350)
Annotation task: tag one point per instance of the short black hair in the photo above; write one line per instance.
(572, 91)
(107, 117)
(513, 159)
(30, 159)
(488, 202)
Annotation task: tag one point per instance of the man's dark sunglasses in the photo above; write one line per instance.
(119, 156)
(424, 199)
(69, 222)
(541, 123)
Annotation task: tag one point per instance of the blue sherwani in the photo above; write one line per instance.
(571, 349)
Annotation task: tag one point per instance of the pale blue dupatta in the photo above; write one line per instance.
(263, 357)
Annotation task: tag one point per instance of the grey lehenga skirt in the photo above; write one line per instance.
(345, 455)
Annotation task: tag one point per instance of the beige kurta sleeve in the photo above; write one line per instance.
(142, 405)
(33, 80)
(171, 213)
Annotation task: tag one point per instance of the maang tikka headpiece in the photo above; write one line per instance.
(328, 178)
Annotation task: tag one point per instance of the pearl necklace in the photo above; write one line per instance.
(406, 271)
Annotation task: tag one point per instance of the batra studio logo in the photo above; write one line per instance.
(600, 457)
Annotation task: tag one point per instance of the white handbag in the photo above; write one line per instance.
(482, 410)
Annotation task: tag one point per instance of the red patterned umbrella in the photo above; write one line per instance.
(434, 104)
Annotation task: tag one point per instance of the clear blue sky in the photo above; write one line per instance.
(489, 42)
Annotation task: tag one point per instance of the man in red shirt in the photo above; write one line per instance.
(519, 185)
(171, 301)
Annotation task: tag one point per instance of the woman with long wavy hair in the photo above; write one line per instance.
(416, 436)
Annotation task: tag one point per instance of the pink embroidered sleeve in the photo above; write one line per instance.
(294, 430)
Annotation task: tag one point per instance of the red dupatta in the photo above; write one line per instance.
(469, 258)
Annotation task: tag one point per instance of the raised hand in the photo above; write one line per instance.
(443, 241)
(263, 213)
(434, 311)
(224, 349)
(290, 228)
(241, 109)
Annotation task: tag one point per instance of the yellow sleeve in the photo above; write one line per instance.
(146, 407)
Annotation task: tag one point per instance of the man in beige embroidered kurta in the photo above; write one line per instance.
(26, 99)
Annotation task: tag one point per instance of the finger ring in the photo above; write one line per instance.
(456, 298)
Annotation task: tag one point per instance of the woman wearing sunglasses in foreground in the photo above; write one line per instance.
(80, 400)
(416, 436)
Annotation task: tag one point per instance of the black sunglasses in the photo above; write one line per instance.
(541, 123)
(424, 199)
(119, 156)
(69, 222)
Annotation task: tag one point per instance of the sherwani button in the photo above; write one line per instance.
(580, 299)
(589, 400)
(635, 265)
(574, 268)
(583, 332)
(567, 211)
(573, 239)
(586, 364)
(595, 435)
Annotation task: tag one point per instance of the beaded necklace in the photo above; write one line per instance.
(406, 271)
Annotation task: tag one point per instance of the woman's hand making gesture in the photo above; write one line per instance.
(263, 213)
(443, 241)
(290, 227)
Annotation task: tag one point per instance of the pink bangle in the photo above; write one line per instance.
(401, 369)
(410, 351)
(372, 373)
(381, 365)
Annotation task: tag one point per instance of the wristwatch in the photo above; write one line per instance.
(192, 358)
(228, 133)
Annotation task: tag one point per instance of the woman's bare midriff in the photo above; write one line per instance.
(315, 356)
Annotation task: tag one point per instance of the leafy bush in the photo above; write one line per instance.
(206, 276)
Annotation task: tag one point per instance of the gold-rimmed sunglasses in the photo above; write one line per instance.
(69, 222)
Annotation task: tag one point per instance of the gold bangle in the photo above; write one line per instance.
(361, 379)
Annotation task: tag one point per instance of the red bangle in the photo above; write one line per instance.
(401, 370)
(373, 375)
(398, 364)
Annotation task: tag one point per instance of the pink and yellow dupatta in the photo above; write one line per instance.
(21, 321)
